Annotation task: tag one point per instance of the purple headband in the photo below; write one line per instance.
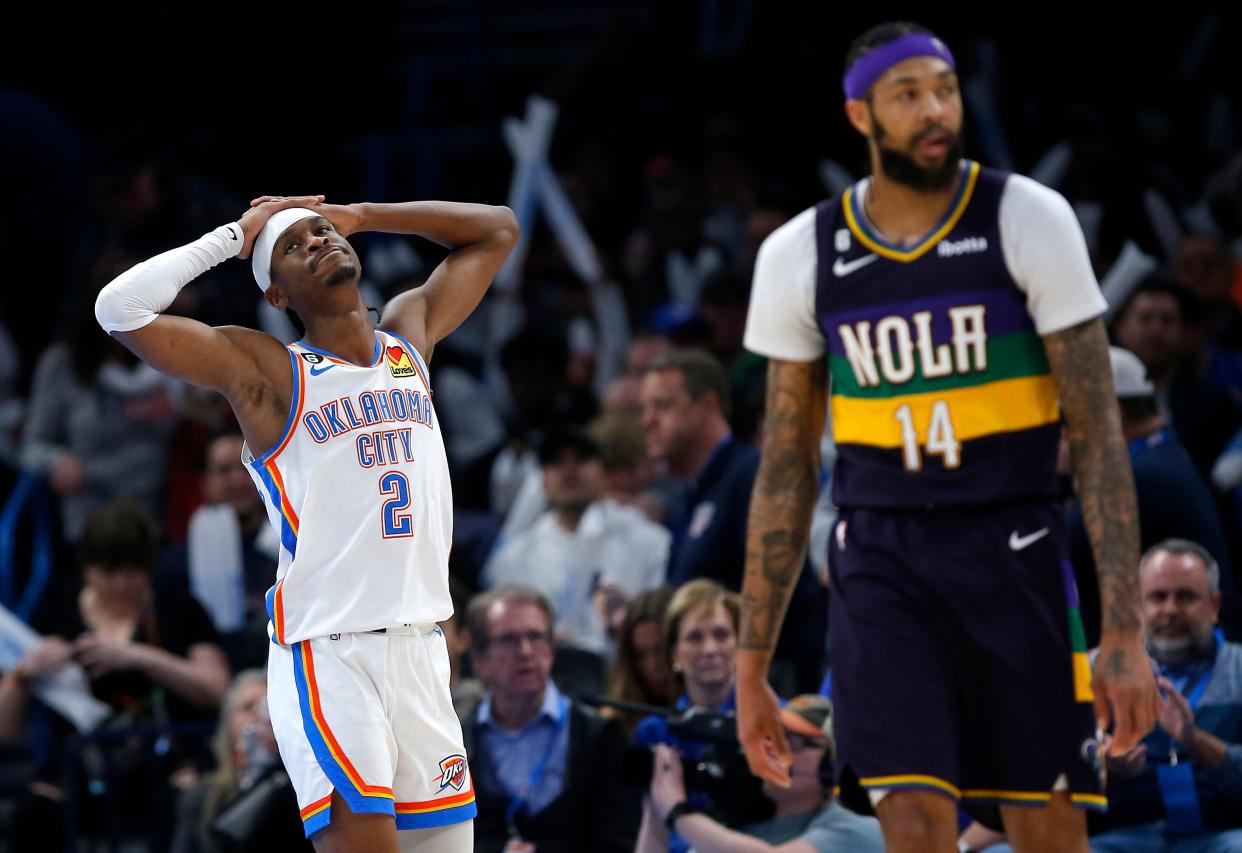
(872, 64)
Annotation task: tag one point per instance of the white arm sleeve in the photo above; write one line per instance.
(137, 296)
(1047, 256)
(781, 320)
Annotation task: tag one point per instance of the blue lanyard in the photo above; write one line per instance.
(519, 801)
(1176, 781)
(1147, 442)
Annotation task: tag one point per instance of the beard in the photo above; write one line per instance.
(345, 273)
(1175, 651)
(901, 167)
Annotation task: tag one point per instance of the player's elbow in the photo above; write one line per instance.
(505, 229)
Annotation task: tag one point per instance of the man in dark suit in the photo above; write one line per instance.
(546, 769)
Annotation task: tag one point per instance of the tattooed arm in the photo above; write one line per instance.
(1123, 683)
(776, 542)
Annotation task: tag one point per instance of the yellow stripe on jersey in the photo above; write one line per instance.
(976, 411)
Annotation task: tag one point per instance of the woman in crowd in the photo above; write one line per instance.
(247, 768)
(700, 633)
(642, 672)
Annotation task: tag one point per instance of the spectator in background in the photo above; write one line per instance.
(685, 413)
(628, 472)
(1204, 266)
(1173, 500)
(700, 636)
(99, 421)
(546, 769)
(700, 639)
(247, 763)
(642, 672)
(465, 689)
(805, 817)
(588, 553)
(535, 363)
(229, 560)
(1180, 789)
(1160, 323)
(150, 655)
(622, 394)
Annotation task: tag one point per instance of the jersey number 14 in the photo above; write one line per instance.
(941, 440)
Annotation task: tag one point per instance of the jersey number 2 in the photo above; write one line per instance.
(394, 521)
(940, 437)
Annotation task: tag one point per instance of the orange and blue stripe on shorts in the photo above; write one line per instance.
(361, 797)
(345, 778)
(441, 811)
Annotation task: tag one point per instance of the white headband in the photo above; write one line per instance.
(265, 243)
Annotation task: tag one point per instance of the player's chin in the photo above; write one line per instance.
(344, 273)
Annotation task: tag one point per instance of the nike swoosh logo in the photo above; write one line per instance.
(841, 268)
(1017, 543)
(232, 233)
(321, 368)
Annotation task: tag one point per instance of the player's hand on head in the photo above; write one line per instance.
(345, 218)
(761, 733)
(1125, 691)
(261, 209)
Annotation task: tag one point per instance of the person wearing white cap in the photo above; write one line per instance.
(1173, 500)
(351, 465)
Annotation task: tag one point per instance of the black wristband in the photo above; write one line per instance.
(680, 810)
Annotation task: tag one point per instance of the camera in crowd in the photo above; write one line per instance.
(713, 763)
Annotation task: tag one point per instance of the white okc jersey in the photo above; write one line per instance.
(358, 489)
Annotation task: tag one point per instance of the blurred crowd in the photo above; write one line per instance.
(602, 436)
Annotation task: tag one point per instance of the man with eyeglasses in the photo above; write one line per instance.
(547, 769)
(806, 818)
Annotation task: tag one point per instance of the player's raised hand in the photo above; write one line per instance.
(1125, 690)
(345, 218)
(760, 730)
(261, 209)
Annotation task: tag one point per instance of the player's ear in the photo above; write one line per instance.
(859, 116)
(276, 297)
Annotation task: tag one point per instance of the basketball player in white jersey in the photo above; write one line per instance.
(344, 445)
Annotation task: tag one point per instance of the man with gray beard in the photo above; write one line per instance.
(1180, 789)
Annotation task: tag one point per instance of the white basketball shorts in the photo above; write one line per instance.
(370, 717)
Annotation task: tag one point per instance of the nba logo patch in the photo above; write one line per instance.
(452, 772)
(841, 240)
(399, 363)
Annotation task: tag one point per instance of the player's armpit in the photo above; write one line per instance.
(784, 497)
(1079, 360)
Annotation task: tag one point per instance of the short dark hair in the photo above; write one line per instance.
(1138, 408)
(1160, 284)
(878, 35)
(701, 371)
(481, 604)
(562, 438)
(119, 535)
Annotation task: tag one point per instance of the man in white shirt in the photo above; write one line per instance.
(587, 554)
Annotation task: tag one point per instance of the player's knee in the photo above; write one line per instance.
(915, 820)
(1058, 827)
